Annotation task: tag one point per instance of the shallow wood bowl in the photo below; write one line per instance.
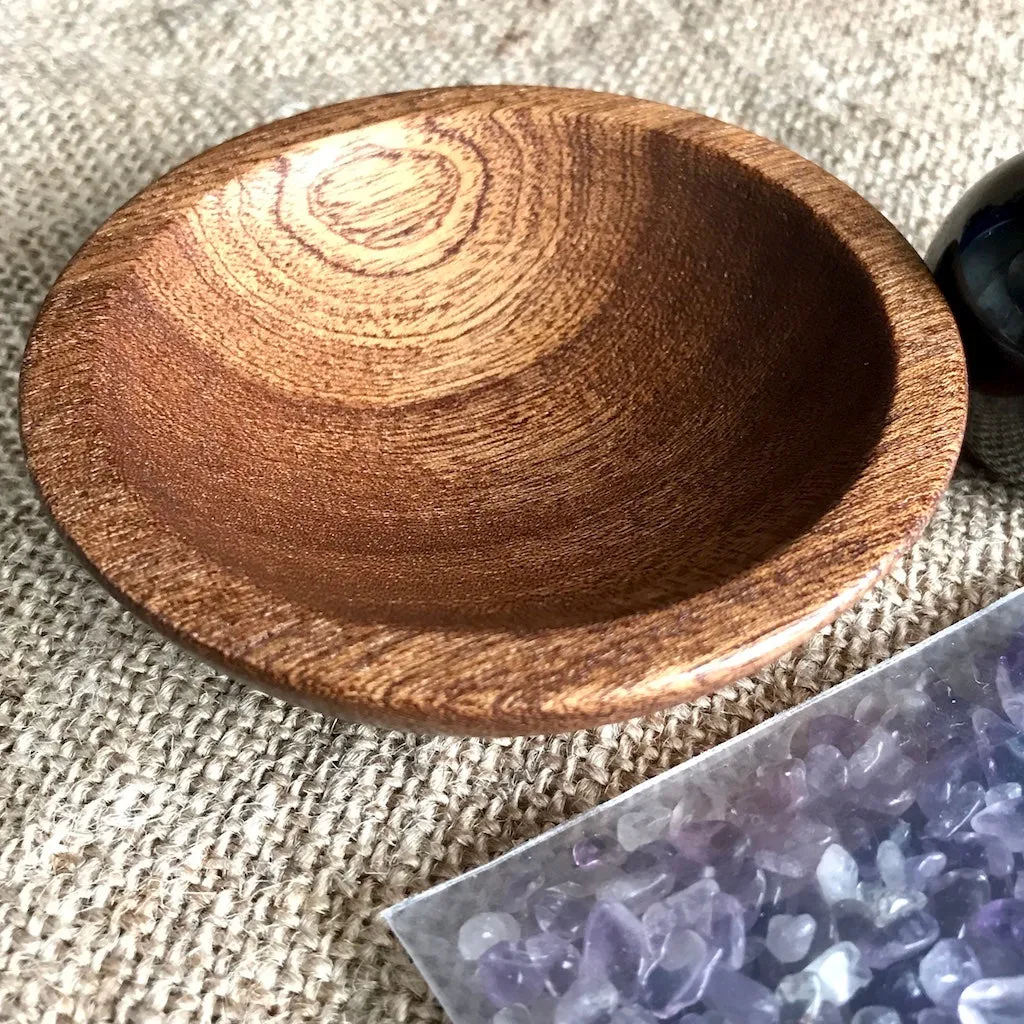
(493, 410)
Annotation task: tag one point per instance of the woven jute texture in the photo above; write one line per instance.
(176, 847)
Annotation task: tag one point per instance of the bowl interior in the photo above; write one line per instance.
(494, 368)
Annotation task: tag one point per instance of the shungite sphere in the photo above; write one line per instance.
(978, 262)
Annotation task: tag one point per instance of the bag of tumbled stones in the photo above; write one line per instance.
(859, 860)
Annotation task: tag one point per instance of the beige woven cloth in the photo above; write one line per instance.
(175, 847)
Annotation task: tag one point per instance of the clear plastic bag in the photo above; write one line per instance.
(859, 858)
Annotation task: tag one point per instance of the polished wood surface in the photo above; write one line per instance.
(493, 409)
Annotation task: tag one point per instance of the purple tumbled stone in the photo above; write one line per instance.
(588, 1001)
(899, 987)
(874, 759)
(741, 998)
(999, 920)
(945, 771)
(637, 891)
(930, 682)
(950, 725)
(507, 975)
(853, 921)
(1012, 653)
(871, 707)
(946, 970)
(811, 902)
(658, 853)
(952, 716)
(782, 786)
(838, 731)
(971, 850)
(913, 703)
(888, 904)
(678, 973)
(908, 721)
(694, 904)
(957, 896)
(781, 890)
(990, 729)
(515, 1014)
(543, 948)
(891, 864)
(791, 846)
(993, 1001)
(659, 920)
(826, 770)
(755, 947)
(632, 1015)
(789, 937)
(1009, 680)
(561, 910)
(1007, 761)
(934, 793)
(859, 836)
(933, 1015)
(557, 959)
(563, 972)
(614, 945)
(991, 734)
(1005, 821)
(664, 855)
(890, 790)
(712, 843)
(842, 972)
(693, 805)
(591, 851)
(1004, 791)
(718, 917)
(634, 828)
(837, 874)
(876, 1015)
(828, 1014)
(749, 885)
(484, 930)
(520, 890)
(666, 937)
(996, 934)
(961, 807)
(900, 834)
(728, 932)
(892, 798)
(802, 996)
(921, 870)
(911, 933)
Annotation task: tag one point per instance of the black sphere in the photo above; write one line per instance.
(978, 261)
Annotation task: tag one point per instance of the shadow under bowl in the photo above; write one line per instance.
(493, 409)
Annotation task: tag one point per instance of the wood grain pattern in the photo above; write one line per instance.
(493, 409)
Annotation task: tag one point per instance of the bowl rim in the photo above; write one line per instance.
(496, 682)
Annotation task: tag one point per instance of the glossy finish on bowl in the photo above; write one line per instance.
(493, 410)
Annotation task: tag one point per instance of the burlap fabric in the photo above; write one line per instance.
(175, 847)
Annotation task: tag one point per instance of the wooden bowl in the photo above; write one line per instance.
(493, 410)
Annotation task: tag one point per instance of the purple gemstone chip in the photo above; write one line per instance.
(614, 947)
(590, 851)
(508, 975)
